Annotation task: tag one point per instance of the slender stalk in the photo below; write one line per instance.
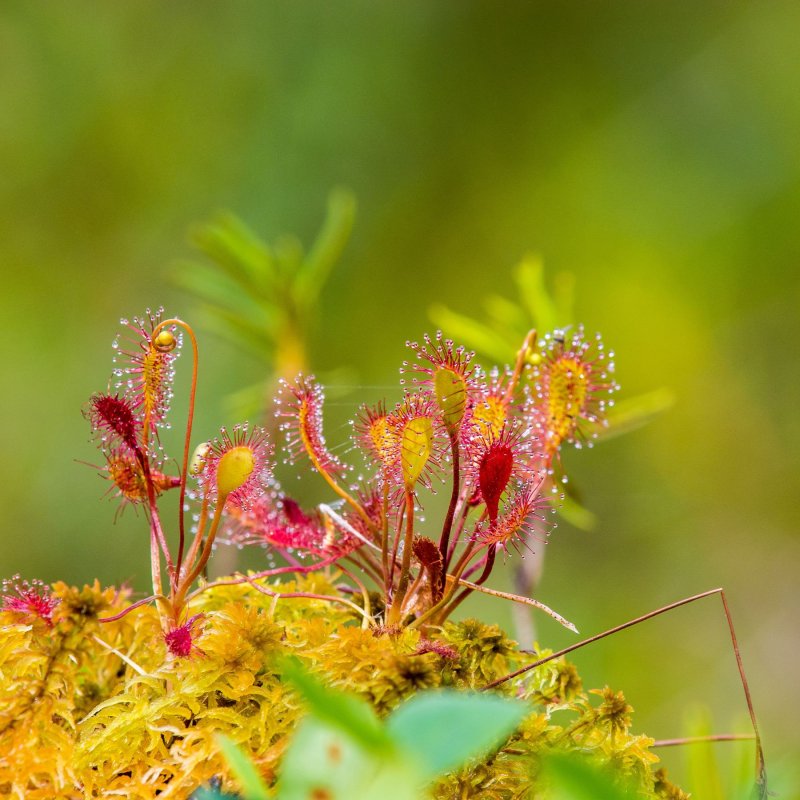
(462, 521)
(444, 540)
(198, 536)
(385, 537)
(331, 598)
(267, 573)
(157, 540)
(131, 607)
(395, 548)
(761, 771)
(193, 572)
(402, 582)
(599, 636)
(448, 595)
(761, 775)
(364, 595)
(488, 566)
(473, 568)
(514, 598)
(715, 737)
(187, 440)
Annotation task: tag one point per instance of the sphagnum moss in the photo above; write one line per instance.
(102, 696)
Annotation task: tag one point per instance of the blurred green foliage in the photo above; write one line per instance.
(648, 149)
(264, 299)
(543, 310)
(342, 750)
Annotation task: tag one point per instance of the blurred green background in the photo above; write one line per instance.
(651, 149)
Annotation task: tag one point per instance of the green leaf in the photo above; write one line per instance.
(327, 247)
(635, 412)
(239, 252)
(444, 729)
(344, 712)
(576, 514)
(529, 276)
(705, 776)
(243, 769)
(324, 761)
(507, 317)
(573, 778)
(208, 283)
(474, 335)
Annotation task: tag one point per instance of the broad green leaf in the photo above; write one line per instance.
(572, 777)
(349, 714)
(243, 770)
(324, 761)
(444, 729)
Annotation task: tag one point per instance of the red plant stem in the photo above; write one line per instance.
(198, 536)
(760, 766)
(267, 573)
(157, 539)
(131, 607)
(481, 562)
(187, 440)
(193, 572)
(488, 565)
(444, 540)
(308, 596)
(395, 548)
(462, 521)
(402, 581)
(385, 538)
(364, 595)
(365, 565)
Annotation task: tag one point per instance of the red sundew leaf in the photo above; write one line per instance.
(30, 599)
(145, 367)
(300, 407)
(113, 419)
(494, 473)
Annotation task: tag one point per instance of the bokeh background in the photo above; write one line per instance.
(649, 149)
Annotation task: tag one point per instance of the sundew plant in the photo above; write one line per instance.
(492, 435)
(104, 695)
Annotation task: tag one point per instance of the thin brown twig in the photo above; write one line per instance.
(715, 737)
(761, 775)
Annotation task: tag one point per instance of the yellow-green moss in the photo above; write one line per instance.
(78, 720)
